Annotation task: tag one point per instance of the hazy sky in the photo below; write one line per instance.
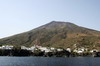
(18, 16)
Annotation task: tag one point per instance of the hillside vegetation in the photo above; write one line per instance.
(56, 34)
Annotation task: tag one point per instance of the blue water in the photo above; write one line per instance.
(46, 61)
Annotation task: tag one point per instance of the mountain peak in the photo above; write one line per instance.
(57, 25)
(60, 22)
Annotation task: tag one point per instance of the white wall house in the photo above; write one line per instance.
(52, 49)
(59, 49)
(27, 48)
(68, 49)
(80, 50)
(94, 50)
(6, 47)
(45, 49)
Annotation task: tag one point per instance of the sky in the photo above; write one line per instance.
(17, 16)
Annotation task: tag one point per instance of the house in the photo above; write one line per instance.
(59, 49)
(23, 47)
(6, 47)
(52, 49)
(44, 49)
(80, 50)
(94, 50)
(68, 49)
(27, 48)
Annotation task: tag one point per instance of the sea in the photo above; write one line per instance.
(49, 61)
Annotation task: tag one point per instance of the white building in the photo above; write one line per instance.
(59, 49)
(23, 47)
(52, 49)
(68, 49)
(94, 50)
(44, 49)
(27, 48)
(80, 50)
(6, 47)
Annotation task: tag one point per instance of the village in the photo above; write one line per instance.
(47, 51)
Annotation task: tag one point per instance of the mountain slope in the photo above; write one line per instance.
(56, 34)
